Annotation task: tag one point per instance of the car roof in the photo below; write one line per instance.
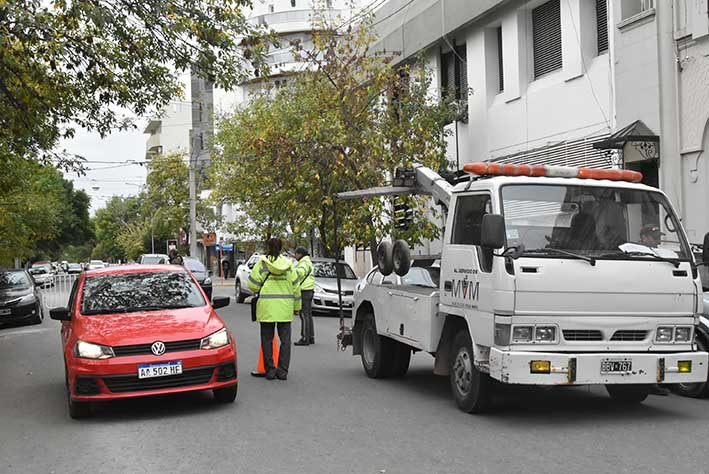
(135, 268)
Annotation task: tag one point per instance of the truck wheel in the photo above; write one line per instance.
(376, 351)
(628, 393)
(238, 294)
(694, 390)
(385, 259)
(471, 388)
(401, 257)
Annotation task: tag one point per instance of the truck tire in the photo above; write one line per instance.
(377, 356)
(385, 258)
(401, 257)
(628, 393)
(694, 390)
(471, 388)
(239, 295)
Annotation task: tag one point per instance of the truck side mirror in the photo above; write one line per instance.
(493, 231)
(705, 249)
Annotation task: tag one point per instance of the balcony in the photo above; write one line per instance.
(292, 20)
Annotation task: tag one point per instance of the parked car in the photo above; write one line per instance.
(200, 273)
(95, 265)
(141, 330)
(154, 258)
(64, 266)
(74, 268)
(41, 276)
(20, 300)
(325, 296)
(241, 286)
(45, 265)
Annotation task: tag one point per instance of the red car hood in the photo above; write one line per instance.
(149, 326)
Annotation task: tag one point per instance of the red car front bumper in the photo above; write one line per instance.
(117, 377)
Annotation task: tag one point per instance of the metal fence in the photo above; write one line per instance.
(57, 294)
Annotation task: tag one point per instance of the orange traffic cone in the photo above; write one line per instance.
(260, 367)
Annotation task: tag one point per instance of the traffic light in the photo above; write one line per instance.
(403, 214)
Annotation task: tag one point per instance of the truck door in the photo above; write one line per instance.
(466, 270)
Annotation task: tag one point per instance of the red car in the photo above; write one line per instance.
(143, 330)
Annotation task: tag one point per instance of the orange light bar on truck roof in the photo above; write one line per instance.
(500, 169)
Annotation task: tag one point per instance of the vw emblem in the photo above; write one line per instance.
(158, 348)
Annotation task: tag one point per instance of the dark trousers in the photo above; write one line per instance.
(307, 331)
(267, 333)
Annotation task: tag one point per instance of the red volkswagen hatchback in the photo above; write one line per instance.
(143, 330)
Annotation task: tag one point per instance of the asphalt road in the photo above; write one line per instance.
(329, 418)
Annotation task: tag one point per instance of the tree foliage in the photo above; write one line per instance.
(68, 63)
(120, 213)
(344, 124)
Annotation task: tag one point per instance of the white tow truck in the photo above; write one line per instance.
(548, 276)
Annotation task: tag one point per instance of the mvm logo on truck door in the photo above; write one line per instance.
(463, 289)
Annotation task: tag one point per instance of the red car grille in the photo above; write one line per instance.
(131, 383)
(140, 349)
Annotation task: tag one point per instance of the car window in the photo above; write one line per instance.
(152, 260)
(194, 265)
(37, 271)
(145, 291)
(72, 296)
(331, 270)
(418, 276)
(390, 279)
(14, 280)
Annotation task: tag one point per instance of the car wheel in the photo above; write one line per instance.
(77, 410)
(694, 390)
(626, 393)
(40, 315)
(471, 388)
(226, 395)
(239, 295)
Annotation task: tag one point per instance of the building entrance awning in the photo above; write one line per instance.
(635, 132)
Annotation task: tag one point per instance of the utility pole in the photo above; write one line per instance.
(193, 204)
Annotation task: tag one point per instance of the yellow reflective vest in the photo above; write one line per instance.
(306, 277)
(276, 282)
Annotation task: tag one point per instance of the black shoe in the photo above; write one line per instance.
(311, 341)
(282, 375)
(658, 390)
(301, 342)
(271, 374)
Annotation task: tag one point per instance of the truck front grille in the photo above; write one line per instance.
(629, 335)
(583, 335)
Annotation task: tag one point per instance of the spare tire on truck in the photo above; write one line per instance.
(401, 257)
(385, 259)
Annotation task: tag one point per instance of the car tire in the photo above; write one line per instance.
(239, 295)
(40, 315)
(77, 410)
(226, 395)
(402, 359)
(377, 351)
(694, 390)
(627, 393)
(471, 388)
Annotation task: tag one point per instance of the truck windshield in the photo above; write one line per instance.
(592, 221)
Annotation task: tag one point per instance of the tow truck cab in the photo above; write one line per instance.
(550, 281)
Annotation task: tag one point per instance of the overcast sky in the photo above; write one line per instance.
(113, 176)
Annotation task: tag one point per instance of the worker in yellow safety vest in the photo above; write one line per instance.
(275, 281)
(306, 279)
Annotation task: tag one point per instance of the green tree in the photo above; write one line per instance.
(68, 63)
(110, 221)
(344, 124)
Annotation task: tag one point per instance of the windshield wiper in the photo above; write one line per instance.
(637, 253)
(550, 250)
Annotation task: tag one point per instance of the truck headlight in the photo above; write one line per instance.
(545, 334)
(502, 334)
(522, 333)
(683, 334)
(664, 334)
(89, 350)
(216, 340)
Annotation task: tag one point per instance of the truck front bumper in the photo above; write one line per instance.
(586, 368)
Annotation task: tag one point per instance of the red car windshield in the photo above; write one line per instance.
(147, 291)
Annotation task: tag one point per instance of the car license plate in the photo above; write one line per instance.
(5, 312)
(616, 366)
(147, 371)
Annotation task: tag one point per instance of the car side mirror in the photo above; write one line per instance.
(493, 231)
(705, 249)
(60, 314)
(220, 301)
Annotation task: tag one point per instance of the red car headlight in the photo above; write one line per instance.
(216, 340)
(89, 350)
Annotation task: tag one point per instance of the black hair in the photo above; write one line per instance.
(273, 247)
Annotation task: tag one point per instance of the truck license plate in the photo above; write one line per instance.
(616, 366)
(147, 371)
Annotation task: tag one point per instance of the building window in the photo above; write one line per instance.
(630, 8)
(328, 3)
(270, 8)
(292, 3)
(500, 62)
(546, 38)
(602, 25)
(454, 78)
